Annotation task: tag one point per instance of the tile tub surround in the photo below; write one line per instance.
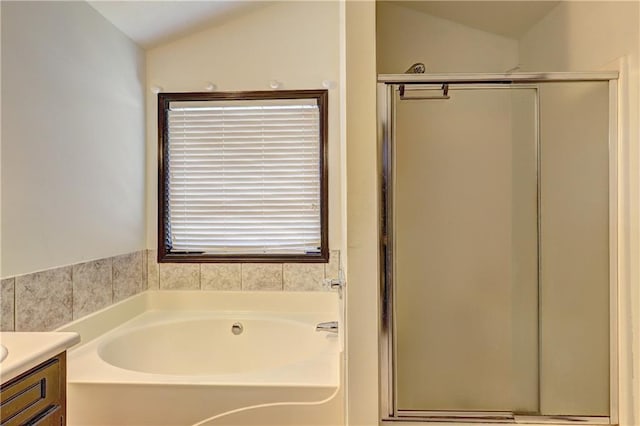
(45, 300)
(128, 275)
(302, 276)
(241, 276)
(7, 304)
(153, 270)
(179, 276)
(221, 276)
(262, 276)
(92, 289)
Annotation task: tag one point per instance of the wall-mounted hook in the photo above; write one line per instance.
(328, 84)
(275, 84)
(210, 87)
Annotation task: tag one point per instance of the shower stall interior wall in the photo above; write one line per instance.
(496, 248)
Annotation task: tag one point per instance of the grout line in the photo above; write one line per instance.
(325, 266)
(73, 313)
(146, 265)
(143, 255)
(113, 291)
(157, 271)
(144, 270)
(15, 314)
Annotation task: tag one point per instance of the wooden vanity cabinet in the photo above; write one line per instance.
(36, 397)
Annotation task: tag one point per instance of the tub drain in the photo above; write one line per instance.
(237, 328)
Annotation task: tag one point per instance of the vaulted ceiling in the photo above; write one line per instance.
(150, 23)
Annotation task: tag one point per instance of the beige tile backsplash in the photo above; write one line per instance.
(332, 269)
(7, 304)
(221, 276)
(241, 276)
(303, 276)
(261, 276)
(45, 300)
(153, 270)
(92, 286)
(179, 276)
(127, 275)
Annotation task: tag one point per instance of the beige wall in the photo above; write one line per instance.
(362, 207)
(0, 156)
(406, 36)
(581, 36)
(72, 137)
(274, 42)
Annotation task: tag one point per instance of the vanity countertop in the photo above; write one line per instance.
(28, 349)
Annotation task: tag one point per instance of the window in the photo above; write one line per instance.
(242, 177)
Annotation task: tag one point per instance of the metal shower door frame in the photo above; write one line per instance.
(387, 85)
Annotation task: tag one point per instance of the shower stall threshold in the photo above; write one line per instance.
(461, 417)
(587, 420)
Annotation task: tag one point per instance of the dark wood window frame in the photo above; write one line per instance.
(164, 253)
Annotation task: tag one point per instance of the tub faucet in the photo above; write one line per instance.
(330, 327)
(336, 284)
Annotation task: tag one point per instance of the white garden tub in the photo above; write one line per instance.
(172, 358)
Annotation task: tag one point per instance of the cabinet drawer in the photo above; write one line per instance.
(32, 394)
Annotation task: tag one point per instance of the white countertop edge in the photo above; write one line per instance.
(28, 349)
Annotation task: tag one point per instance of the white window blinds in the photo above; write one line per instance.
(244, 176)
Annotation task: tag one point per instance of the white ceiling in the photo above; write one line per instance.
(508, 18)
(149, 23)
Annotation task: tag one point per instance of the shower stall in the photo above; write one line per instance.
(498, 231)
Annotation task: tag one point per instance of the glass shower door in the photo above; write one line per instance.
(465, 251)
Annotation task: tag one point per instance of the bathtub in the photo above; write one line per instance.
(179, 358)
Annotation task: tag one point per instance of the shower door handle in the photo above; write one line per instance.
(445, 94)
